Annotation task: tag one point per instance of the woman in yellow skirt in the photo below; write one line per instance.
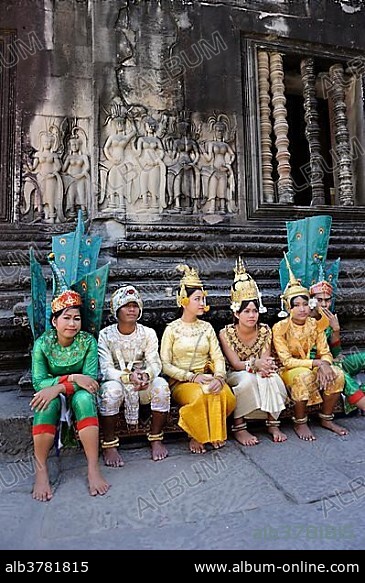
(310, 380)
(194, 363)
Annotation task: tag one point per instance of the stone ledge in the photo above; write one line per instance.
(16, 423)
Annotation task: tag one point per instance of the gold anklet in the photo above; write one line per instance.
(109, 444)
(272, 423)
(326, 417)
(239, 427)
(155, 436)
(300, 421)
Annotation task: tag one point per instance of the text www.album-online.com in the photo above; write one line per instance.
(300, 567)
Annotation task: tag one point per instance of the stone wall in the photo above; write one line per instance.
(146, 114)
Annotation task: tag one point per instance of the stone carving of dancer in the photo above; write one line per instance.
(152, 178)
(47, 166)
(217, 177)
(118, 180)
(76, 167)
(183, 176)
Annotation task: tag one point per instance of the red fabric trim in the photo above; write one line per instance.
(69, 387)
(87, 422)
(353, 399)
(44, 428)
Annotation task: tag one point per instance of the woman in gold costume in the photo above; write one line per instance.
(193, 361)
(310, 380)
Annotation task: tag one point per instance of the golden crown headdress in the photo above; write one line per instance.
(293, 288)
(244, 288)
(190, 279)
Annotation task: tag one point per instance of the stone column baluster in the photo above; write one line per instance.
(311, 118)
(285, 185)
(343, 162)
(265, 126)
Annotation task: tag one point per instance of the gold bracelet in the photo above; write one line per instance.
(125, 377)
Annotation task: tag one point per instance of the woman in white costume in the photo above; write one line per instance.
(246, 344)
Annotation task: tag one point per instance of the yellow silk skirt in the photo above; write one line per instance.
(303, 385)
(203, 416)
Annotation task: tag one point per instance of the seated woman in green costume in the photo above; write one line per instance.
(352, 364)
(310, 380)
(65, 362)
(192, 359)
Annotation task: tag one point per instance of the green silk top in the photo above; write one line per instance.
(50, 360)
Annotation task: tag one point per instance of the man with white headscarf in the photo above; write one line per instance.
(130, 367)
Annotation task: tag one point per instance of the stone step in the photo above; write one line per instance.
(15, 422)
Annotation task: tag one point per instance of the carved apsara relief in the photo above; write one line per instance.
(56, 173)
(166, 164)
(183, 173)
(217, 173)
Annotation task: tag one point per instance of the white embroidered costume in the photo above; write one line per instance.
(119, 354)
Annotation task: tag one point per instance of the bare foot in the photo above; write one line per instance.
(218, 444)
(97, 484)
(303, 432)
(196, 446)
(158, 450)
(112, 458)
(277, 435)
(42, 488)
(334, 427)
(244, 437)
